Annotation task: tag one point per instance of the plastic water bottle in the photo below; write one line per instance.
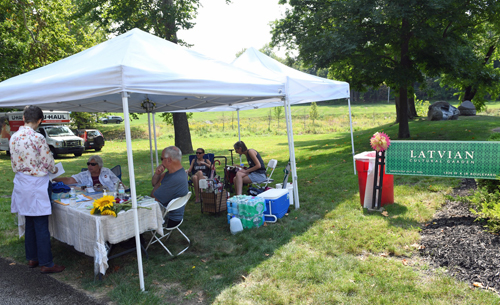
(235, 225)
(121, 191)
(235, 208)
(72, 196)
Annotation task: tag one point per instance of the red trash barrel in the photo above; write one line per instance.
(362, 165)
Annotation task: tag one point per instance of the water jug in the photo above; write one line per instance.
(235, 225)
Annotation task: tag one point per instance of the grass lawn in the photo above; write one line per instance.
(330, 251)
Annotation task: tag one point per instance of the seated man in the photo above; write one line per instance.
(96, 174)
(171, 184)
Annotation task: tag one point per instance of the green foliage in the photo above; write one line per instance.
(486, 205)
(168, 118)
(489, 185)
(313, 112)
(278, 113)
(161, 18)
(398, 43)
(84, 119)
(422, 107)
(36, 33)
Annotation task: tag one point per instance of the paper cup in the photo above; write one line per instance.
(279, 186)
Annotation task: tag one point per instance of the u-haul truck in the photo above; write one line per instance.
(60, 138)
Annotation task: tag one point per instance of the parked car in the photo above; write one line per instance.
(93, 138)
(112, 119)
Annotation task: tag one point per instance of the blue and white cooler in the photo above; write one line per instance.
(277, 204)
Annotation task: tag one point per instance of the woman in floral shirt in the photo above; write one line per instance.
(32, 161)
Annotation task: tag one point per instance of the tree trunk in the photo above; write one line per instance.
(181, 125)
(469, 93)
(412, 111)
(182, 133)
(404, 128)
(397, 101)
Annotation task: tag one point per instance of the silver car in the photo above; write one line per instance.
(112, 119)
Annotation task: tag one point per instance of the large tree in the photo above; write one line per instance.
(478, 75)
(370, 42)
(160, 17)
(35, 33)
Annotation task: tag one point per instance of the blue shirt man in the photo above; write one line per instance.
(171, 184)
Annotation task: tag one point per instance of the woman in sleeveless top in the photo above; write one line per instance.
(200, 168)
(256, 171)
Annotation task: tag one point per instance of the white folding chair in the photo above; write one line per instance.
(174, 204)
(272, 164)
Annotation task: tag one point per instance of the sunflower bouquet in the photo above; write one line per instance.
(106, 205)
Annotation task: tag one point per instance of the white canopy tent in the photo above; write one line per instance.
(300, 88)
(121, 73)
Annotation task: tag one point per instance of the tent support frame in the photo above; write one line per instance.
(133, 192)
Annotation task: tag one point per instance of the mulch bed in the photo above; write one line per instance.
(454, 240)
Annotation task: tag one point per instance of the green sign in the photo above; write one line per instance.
(444, 158)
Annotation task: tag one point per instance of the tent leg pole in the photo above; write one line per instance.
(150, 144)
(352, 136)
(291, 147)
(239, 133)
(133, 193)
(156, 144)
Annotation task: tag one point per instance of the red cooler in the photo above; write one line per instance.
(362, 165)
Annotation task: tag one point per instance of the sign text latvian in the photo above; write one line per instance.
(460, 159)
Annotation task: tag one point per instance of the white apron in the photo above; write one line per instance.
(30, 196)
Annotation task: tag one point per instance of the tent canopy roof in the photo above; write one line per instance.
(302, 87)
(144, 66)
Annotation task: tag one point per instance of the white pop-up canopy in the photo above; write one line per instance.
(144, 66)
(300, 88)
(121, 73)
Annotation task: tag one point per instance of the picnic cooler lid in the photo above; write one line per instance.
(273, 193)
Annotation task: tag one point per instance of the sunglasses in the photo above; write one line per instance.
(91, 163)
(199, 153)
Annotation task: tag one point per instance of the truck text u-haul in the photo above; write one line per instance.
(60, 138)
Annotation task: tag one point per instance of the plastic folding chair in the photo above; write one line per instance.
(157, 237)
(272, 164)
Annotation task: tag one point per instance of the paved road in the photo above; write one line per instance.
(24, 286)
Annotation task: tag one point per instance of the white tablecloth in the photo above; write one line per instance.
(89, 234)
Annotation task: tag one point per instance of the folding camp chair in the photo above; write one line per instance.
(272, 164)
(210, 157)
(117, 170)
(174, 204)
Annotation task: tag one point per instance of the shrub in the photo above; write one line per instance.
(486, 205)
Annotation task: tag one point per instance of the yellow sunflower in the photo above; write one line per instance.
(92, 212)
(109, 212)
(104, 202)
